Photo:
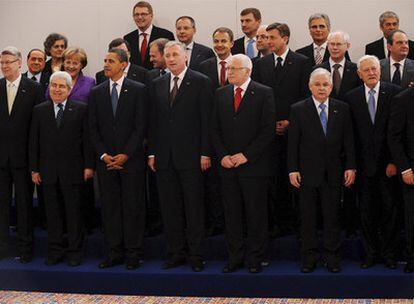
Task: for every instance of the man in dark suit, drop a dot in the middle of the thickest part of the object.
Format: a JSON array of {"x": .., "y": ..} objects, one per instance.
[
  {"x": 179, "y": 151},
  {"x": 261, "y": 43},
  {"x": 132, "y": 71},
  {"x": 18, "y": 96},
  {"x": 287, "y": 73},
  {"x": 398, "y": 68},
  {"x": 388, "y": 22},
  {"x": 320, "y": 139},
  {"x": 36, "y": 60},
  {"x": 117, "y": 124},
  {"x": 140, "y": 38},
  {"x": 196, "y": 53},
  {"x": 401, "y": 145},
  {"x": 250, "y": 19},
  {"x": 319, "y": 27},
  {"x": 370, "y": 106},
  {"x": 242, "y": 130},
  {"x": 157, "y": 59},
  {"x": 60, "y": 160}
]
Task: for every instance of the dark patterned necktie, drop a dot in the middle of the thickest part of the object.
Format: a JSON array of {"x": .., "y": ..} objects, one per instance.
[{"x": 59, "y": 115}]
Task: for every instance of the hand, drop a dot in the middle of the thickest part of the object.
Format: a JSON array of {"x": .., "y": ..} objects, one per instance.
[
  {"x": 87, "y": 174},
  {"x": 151, "y": 163},
  {"x": 295, "y": 179},
  {"x": 349, "y": 178},
  {"x": 238, "y": 159},
  {"x": 205, "y": 163},
  {"x": 408, "y": 178},
  {"x": 281, "y": 127},
  {"x": 391, "y": 170},
  {"x": 118, "y": 161},
  {"x": 226, "y": 162},
  {"x": 36, "y": 179},
  {"x": 108, "y": 159}
]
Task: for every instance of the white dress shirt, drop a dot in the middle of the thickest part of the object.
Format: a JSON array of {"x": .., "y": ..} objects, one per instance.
[
  {"x": 283, "y": 56},
  {"x": 393, "y": 68},
  {"x": 141, "y": 37}
]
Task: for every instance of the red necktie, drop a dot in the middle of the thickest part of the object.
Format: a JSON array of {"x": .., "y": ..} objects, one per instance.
[
  {"x": 237, "y": 99},
  {"x": 143, "y": 47},
  {"x": 223, "y": 73}
]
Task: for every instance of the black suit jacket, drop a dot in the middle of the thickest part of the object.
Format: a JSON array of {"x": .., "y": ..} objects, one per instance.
[
  {"x": 133, "y": 41},
  {"x": 292, "y": 85},
  {"x": 60, "y": 153},
  {"x": 180, "y": 133},
  {"x": 199, "y": 54},
  {"x": 135, "y": 72},
  {"x": 238, "y": 46},
  {"x": 377, "y": 48},
  {"x": 44, "y": 81},
  {"x": 308, "y": 51},
  {"x": 14, "y": 128},
  {"x": 250, "y": 130},
  {"x": 407, "y": 75},
  {"x": 124, "y": 132},
  {"x": 209, "y": 68},
  {"x": 372, "y": 153},
  {"x": 318, "y": 157}
]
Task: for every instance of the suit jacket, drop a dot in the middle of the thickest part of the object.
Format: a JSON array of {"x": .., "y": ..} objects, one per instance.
[
  {"x": 60, "y": 153},
  {"x": 135, "y": 72},
  {"x": 209, "y": 68},
  {"x": 180, "y": 133},
  {"x": 124, "y": 131},
  {"x": 14, "y": 128},
  {"x": 376, "y": 48},
  {"x": 350, "y": 78},
  {"x": 238, "y": 46},
  {"x": 401, "y": 130},
  {"x": 199, "y": 54},
  {"x": 372, "y": 153},
  {"x": 80, "y": 90},
  {"x": 407, "y": 75},
  {"x": 133, "y": 41},
  {"x": 318, "y": 157},
  {"x": 44, "y": 80},
  {"x": 309, "y": 52},
  {"x": 250, "y": 130},
  {"x": 292, "y": 84}
]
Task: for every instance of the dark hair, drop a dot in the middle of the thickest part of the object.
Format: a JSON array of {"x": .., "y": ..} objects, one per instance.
[
  {"x": 391, "y": 36},
  {"x": 186, "y": 17},
  {"x": 252, "y": 10},
  {"x": 143, "y": 4},
  {"x": 283, "y": 29},
  {"x": 160, "y": 43},
  {"x": 33, "y": 50},
  {"x": 117, "y": 42},
  {"x": 224, "y": 30},
  {"x": 51, "y": 39},
  {"x": 122, "y": 55}
]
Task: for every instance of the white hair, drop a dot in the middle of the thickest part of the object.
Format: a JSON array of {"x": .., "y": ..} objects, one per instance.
[
  {"x": 320, "y": 71},
  {"x": 174, "y": 43},
  {"x": 343, "y": 34},
  {"x": 245, "y": 60},
  {"x": 62, "y": 75},
  {"x": 368, "y": 57},
  {"x": 11, "y": 50}
]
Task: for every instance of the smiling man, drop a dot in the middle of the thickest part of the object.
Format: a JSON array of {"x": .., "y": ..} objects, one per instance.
[{"x": 36, "y": 60}]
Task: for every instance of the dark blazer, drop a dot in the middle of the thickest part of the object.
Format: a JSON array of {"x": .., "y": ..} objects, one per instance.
[
  {"x": 60, "y": 153},
  {"x": 377, "y": 48},
  {"x": 209, "y": 68},
  {"x": 124, "y": 132},
  {"x": 133, "y": 39},
  {"x": 250, "y": 130},
  {"x": 407, "y": 75},
  {"x": 401, "y": 130},
  {"x": 180, "y": 132},
  {"x": 14, "y": 128},
  {"x": 238, "y": 46},
  {"x": 199, "y": 54},
  {"x": 350, "y": 78},
  {"x": 135, "y": 72},
  {"x": 372, "y": 153},
  {"x": 292, "y": 85},
  {"x": 318, "y": 157},
  {"x": 308, "y": 51},
  {"x": 44, "y": 80}
]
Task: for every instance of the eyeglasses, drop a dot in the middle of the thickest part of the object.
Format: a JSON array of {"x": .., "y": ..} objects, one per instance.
[
  {"x": 233, "y": 69},
  {"x": 8, "y": 62}
]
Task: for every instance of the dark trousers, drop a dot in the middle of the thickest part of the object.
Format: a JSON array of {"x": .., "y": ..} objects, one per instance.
[
  {"x": 409, "y": 221},
  {"x": 68, "y": 196},
  {"x": 182, "y": 209},
  {"x": 153, "y": 211},
  {"x": 245, "y": 195},
  {"x": 213, "y": 199},
  {"x": 88, "y": 204},
  {"x": 123, "y": 211},
  {"x": 23, "y": 199}
]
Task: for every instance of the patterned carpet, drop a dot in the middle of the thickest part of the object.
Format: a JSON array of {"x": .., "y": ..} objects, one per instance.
[{"x": 15, "y": 297}]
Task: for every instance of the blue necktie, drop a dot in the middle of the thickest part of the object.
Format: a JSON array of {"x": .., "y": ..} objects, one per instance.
[
  {"x": 371, "y": 104},
  {"x": 59, "y": 115},
  {"x": 323, "y": 117},
  {"x": 250, "y": 50},
  {"x": 114, "y": 97}
]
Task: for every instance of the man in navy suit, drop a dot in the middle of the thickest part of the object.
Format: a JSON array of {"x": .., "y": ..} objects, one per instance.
[
  {"x": 250, "y": 19},
  {"x": 36, "y": 60},
  {"x": 140, "y": 38}
]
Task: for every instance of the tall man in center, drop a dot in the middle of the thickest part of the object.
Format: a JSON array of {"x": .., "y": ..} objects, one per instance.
[{"x": 179, "y": 151}]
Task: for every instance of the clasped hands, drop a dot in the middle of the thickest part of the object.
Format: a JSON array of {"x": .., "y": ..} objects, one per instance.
[
  {"x": 115, "y": 162},
  {"x": 233, "y": 161}
]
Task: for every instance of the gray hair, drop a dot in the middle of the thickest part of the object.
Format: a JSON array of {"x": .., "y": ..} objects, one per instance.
[
  {"x": 62, "y": 75},
  {"x": 368, "y": 57},
  {"x": 386, "y": 15},
  {"x": 11, "y": 50},
  {"x": 246, "y": 62},
  {"x": 174, "y": 43},
  {"x": 320, "y": 71},
  {"x": 320, "y": 16},
  {"x": 344, "y": 35}
]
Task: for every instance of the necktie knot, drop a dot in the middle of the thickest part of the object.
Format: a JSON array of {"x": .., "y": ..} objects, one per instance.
[
  {"x": 239, "y": 90},
  {"x": 322, "y": 106},
  {"x": 176, "y": 78},
  {"x": 114, "y": 85},
  {"x": 336, "y": 66},
  {"x": 223, "y": 63},
  {"x": 397, "y": 65},
  {"x": 279, "y": 60},
  {"x": 60, "y": 106},
  {"x": 144, "y": 35},
  {"x": 371, "y": 92}
]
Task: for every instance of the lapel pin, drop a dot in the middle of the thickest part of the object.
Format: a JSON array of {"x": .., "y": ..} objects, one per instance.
[
  {"x": 335, "y": 111},
  {"x": 125, "y": 90},
  {"x": 187, "y": 83},
  {"x": 23, "y": 91},
  {"x": 252, "y": 92}
]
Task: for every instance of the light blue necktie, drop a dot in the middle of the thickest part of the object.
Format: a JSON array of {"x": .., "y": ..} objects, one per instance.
[
  {"x": 323, "y": 117},
  {"x": 114, "y": 97},
  {"x": 250, "y": 50},
  {"x": 371, "y": 104}
]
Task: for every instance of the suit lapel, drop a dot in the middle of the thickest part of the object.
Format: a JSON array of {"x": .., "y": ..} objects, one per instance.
[
  {"x": 333, "y": 112},
  {"x": 20, "y": 94},
  {"x": 246, "y": 98},
  {"x": 382, "y": 95},
  {"x": 184, "y": 86},
  {"x": 386, "y": 71},
  {"x": 123, "y": 96},
  {"x": 314, "y": 117},
  {"x": 345, "y": 78},
  {"x": 107, "y": 99},
  {"x": 67, "y": 113},
  {"x": 51, "y": 116}
]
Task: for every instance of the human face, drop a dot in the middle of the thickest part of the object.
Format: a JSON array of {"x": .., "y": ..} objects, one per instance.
[
  {"x": 261, "y": 40},
  {"x": 57, "y": 49},
  {"x": 399, "y": 48},
  {"x": 369, "y": 72},
  {"x": 113, "y": 67},
  {"x": 249, "y": 25},
  {"x": 277, "y": 44},
  {"x": 389, "y": 25},
  {"x": 184, "y": 31},
  {"x": 337, "y": 47},
  {"x": 222, "y": 44},
  {"x": 59, "y": 90},
  {"x": 237, "y": 74},
  {"x": 175, "y": 59},
  {"x": 36, "y": 62},
  {"x": 320, "y": 87},
  {"x": 72, "y": 65},
  {"x": 156, "y": 58},
  {"x": 318, "y": 30},
  {"x": 10, "y": 67},
  {"x": 142, "y": 17}
]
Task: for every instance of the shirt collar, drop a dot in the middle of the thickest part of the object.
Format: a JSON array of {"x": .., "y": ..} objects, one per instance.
[
  {"x": 119, "y": 82},
  {"x": 147, "y": 31},
  {"x": 243, "y": 86},
  {"x": 317, "y": 103},
  {"x": 322, "y": 46},
  {"x": 392, "y": 61},
  {"x": 246, "y": 39},
  {"x": 55, "y": 104},
  {"x": 16, "y": 82},
  {"x": 127, "y": 68},
  {"x": 227, "y": 60},
  {"x": 332, "y": 63},
  {"x": 180, "y": 76},
  {"x": 30, "y": 75},
  {"x": 376, "y": 88},
  {"x": 283, "y": 56},
  {"x": 190, "y": 46}
]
